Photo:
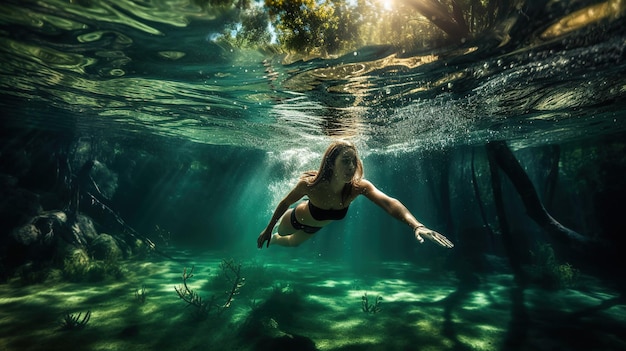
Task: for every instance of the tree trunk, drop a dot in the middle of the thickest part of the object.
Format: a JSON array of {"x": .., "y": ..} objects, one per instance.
[
  {"x": 505, "y": 159},
  {"x": 553, "y": 176},
  {"x": 510, "y": 248},
  {"x": 438, "y": 14},
  {"x": 481, "y": 204}
]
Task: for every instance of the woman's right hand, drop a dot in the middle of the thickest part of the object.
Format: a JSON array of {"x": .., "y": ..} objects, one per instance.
[
  {"x": 265, "y": 235},
  {"x": 439, "y": 239}
]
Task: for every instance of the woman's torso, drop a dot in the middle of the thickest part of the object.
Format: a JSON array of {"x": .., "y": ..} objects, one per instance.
[{"x": 327, "y": 205}]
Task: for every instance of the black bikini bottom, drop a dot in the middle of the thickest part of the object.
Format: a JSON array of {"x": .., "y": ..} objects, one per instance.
[{"x": 299, "y": 226}]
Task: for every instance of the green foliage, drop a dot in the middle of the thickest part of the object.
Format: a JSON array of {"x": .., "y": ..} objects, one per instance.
[
  {"x": 549, "y": 273},
  {"x": 329, "y": 27},
  {"x": 303, "y": 24},
  {"x": 249, "y": 31}
]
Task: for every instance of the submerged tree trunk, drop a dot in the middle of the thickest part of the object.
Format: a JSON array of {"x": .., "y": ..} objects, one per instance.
[
  {"x": 553, "y": 176},
  {"x": 507, "y": 239},
  {"x": 504, "y": 158},
  {"x": 481, "y": 204}
]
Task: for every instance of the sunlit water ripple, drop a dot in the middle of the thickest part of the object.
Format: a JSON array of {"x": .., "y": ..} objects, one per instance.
[{"x": 120, "y": 68}]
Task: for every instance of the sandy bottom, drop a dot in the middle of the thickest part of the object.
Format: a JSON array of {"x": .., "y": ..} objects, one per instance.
[{"x": 303, "y": 305}]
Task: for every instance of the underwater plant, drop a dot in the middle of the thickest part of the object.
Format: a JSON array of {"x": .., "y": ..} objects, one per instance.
[
  {"x": 202, "y": 307},
  {"x": 72, "y": 321},
  {"x": 79, "y": 267},
  {"x": 231, "y": 272},
  {"x": 141, "y": 294},
  {"x": 370, "y": 308},
  {"x": 76, "y": 266},
  {"x": 549, "y": 273}
]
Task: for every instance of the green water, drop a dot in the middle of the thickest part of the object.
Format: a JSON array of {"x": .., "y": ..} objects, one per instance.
[{"x": 196, "y": 142}]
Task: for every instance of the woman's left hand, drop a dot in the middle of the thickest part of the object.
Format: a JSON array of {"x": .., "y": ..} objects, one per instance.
[{"x": 439, "y": 239}]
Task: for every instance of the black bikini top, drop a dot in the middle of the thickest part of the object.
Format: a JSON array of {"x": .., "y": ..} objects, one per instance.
[{"x": 320, "y": 214}]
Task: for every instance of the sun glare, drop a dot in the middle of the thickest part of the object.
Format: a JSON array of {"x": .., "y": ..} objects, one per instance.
[{"x": 387, "y": 4}]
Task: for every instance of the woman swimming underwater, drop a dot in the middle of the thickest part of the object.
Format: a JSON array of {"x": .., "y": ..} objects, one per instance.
[{"x": 330, "y": 190}]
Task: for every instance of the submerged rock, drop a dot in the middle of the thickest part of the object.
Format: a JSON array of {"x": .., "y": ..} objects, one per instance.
[
  {"x": 105, "y": 247},
  {"x": 26, "y": 235},
  {"x": 86, "y": 227}
]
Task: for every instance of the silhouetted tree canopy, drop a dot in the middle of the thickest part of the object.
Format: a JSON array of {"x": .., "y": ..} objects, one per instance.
[{"x": 326, "y": 27}]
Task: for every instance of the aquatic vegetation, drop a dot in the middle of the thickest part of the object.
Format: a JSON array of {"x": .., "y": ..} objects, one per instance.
[
  {"x": 141, "y": 294},
  {"x": 370, "y": 308},
  {"x": 202, "y": 307},
  {"x": 567, "y": 275},
  {"x": 231, "y": 272},
  {"x": 548, "y": 272},
  {"x": 72, "y": 321},
  {"x": 78, "y": 267}
]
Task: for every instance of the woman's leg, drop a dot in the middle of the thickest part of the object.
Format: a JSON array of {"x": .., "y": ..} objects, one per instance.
[
  {"x": 291, "y": 240},
  {"x": 287, "y": 235}
]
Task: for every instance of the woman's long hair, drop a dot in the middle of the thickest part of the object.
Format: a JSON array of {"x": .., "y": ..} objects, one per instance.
[{"x": 325, "y": 172}]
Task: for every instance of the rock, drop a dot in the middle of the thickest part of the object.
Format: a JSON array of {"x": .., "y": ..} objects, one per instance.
[
  {"x": 77, "y": 256},
  {"x": 105, "y": 178},
  {"x": 105, "y": 247},
  {"x": 87, "y": 229},
  {"x": 26, "y": 235}
]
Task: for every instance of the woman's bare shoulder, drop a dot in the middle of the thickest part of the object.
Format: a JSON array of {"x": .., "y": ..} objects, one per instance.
[
  {"x": 303, "y": 185},
  {"x": 364, "y": 186},
  {"x": 297, "y": 192}
]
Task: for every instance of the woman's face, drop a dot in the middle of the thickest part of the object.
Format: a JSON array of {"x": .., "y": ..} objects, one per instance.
[{"x": 345, "y": 165}]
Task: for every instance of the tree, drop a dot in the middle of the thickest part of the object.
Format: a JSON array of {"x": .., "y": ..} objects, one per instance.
[
  {"x": 323, "y": 27},
  {"x": 308, "y": 26},
  {"x": 448, "y": 18}
]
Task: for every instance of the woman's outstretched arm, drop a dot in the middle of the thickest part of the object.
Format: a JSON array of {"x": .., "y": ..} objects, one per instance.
[
  {"x": 294, "y": 195},
  {"x": 396, "y": 209}
]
